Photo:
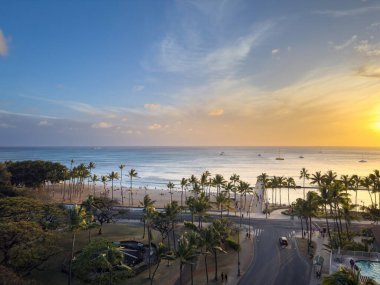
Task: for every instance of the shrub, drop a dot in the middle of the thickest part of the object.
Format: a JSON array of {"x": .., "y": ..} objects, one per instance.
[{"x": 232, "y": 244}]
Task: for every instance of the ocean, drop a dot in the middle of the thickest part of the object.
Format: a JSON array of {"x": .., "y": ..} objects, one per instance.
[{"x": 156, "y": 166}]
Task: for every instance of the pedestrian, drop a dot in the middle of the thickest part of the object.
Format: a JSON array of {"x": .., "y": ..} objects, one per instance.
[
  {"x": 222, "y": 276},
  {"x": 225, "y": 277}
]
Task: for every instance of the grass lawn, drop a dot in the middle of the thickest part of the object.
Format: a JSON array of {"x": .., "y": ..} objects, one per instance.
[
  {"x": 51, "y": 273},
  {"x": 302, "y": 246}
]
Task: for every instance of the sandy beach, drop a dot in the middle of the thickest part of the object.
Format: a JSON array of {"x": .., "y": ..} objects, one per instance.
[{"x": 161, "y": 196}]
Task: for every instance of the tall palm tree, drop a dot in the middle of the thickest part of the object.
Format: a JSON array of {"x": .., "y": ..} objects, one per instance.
[
  {"x": 170, "y": 186},
  {"x": 94, "y": 179},
  {"x": 234, "y": 179},
  {"x": 367, "y": 183},
  {"x": 121, "y": 167},
  {"x": 220, "y": 201},
  {"x": 218, "y": 182},
  {"x": 186, "y": 253},
  {"x": 132, "y": 174},
  {"x": 204, "y": 180},
  {"x": 148, "y": 207},
  {"x": 346, "y": 181},
  {"x": 228, "y": 188},
  {"x": 317, "y": 178},
  {"x": 325, "y": 199},
  {"x": 184, "y": 183},
  {"x": 113, "y": 176},
  {"x": 104, "y": 180},
  {"x": 355, "y": 182},
  {"x": 90, "y": 167},
  {"x": 329, "y": 178},
  {"x": 281, "y": 182},
  {"x": 77, "y": 221},
  {"x": 304, "y": 174},
  {"x": 202, "y": 205},
  {"x": 290, "y": 183}
]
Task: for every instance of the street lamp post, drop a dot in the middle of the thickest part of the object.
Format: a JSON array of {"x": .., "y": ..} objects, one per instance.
[
  {"x": 238, "y": 273},
  {"x": 249, "y": 223}
]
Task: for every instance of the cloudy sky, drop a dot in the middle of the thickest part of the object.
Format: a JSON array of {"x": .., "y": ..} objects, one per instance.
[{"x": 215, "y": 72}]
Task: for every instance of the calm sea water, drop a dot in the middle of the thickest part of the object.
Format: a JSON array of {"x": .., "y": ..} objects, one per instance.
[{"x": 157, "y": 165}]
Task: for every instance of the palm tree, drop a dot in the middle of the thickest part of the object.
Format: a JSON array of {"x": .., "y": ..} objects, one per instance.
[
  {"x": 184, "y": 183},
  {"x": 345, "y": 179},
  {"x": 280, "y": 183},
  {"x": 290, "y": 183},
  {"x": 90, "y": 167},
  {"x": 228, "y": 188},
  {"x": 355, "y": 182},
  {"x": 325, "y": 199},
  {"x": 113, "y": 176},
  {"x": 170, "y": 186},
  {"x": 317, "y": 178},
  {"x": 94, "y": 179},
  {"x": 234, "y": 179},
  {"x": 132, "y": 174},
  {"x": 204, "y": 180},
  {"x": 329, "y": 178},
  {"x": 218, "y": 182},
  {"x": 220, "y": 201},
  {"x": 367, "y": 183},
  {"x": 121, "y": 167},
  {"x": 77, "y": 221},
  {"x": 148, "y": 207},
  {"x": 171, "y": 212},
  {"x": 104, "y": 180},
  {"x": 202, "y": 205},
  {"x": 304, "y": 174},
  {"x": 186, "y": 253},
  {"x": 346, "y": 277}
]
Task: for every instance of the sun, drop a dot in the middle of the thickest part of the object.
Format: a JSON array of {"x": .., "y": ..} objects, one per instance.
[{"x": 376, "y": 126}]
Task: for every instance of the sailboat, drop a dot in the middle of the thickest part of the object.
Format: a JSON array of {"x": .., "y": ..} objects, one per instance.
[
  {"x": 362, "y": 160},
  {"x": 279, "y": 156}
]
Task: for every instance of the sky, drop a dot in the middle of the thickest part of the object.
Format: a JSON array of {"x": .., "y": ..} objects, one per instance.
[{"x": 190, "y": 73}]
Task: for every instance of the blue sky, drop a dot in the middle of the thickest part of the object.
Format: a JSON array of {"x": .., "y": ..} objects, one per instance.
[{"x": 190, "y": 72}]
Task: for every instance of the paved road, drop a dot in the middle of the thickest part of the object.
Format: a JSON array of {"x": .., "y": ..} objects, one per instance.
[{"x": 272, "y": 264}]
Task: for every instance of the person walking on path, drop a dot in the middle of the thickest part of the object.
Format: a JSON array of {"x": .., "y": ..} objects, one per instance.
[
  {"x": 222, "y": 276},
  {"x": 225, "y": 277}
]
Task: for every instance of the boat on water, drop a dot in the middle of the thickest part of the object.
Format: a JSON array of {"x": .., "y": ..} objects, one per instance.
[
  {"x": 279, "y": 156},
  {"x": 362, "y": 160},
  {"x": 301, "y": 156},
  {"x": 259, "y": 154},
  {"x": 222, "y": 153}
]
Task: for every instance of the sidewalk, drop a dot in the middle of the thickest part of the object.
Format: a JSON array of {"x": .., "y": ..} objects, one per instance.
[{"x": 320, "y": 250}]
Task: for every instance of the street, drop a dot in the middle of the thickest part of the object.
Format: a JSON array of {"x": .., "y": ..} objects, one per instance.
[{"x": 272, "y": 264}]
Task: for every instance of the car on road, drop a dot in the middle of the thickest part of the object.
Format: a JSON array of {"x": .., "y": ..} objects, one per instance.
[{"x": 283, "y": 241}]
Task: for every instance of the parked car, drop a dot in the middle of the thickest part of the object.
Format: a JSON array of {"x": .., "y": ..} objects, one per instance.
[{"x": 283, "y": 241}]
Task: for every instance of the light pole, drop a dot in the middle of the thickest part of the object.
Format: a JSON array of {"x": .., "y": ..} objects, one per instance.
[
  {"x": 249, "y": 223},
  {"x": 238, "y": 273}
]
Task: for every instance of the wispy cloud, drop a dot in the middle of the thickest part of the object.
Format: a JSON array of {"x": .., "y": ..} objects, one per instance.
[
  {"x": 275, "y": 51},
  {"x": 152, "y": 106},
  {"x": 367, "y": 48},
  {"x": 3, "y": 44},
  {"x": 175, "y": 55},
  {"x": 5, "y": 112},
  {"x": 102, "y": 125},
  {"x": 154, "y": 127},
  {"x": 344, "y": 44},
  {"x": 216, "y": 112},
  {"x": 44, "y": 123},
  {"x": 369, "y": 71},
  {"x": 350, "y": 12}
]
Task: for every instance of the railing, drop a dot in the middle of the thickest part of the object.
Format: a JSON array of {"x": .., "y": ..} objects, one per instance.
[{"x": 372, "y": 255}]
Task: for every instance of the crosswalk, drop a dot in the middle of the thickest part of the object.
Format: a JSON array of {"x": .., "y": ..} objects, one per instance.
[{"x": 257, "y": 232}]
